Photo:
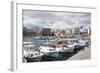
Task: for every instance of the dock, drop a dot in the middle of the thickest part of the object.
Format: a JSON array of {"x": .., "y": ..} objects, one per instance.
[{"x": 82, "y": 55}]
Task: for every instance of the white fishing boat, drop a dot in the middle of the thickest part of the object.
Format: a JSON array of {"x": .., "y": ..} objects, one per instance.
[
  {"x": 29, "y": 53},
  {"x": 48, "y": 50},
  {"x": 78, "y": 43},
  {"x": 82, "y": 43},
  {"x": 69, "y": 48},
  {"x": 64, "y": 46}
]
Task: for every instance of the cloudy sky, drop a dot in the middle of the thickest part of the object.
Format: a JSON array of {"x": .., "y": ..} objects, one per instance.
[{"x": 49, "y": 19}]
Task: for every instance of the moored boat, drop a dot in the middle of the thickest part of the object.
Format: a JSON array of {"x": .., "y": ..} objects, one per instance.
[
  {"x": 48, "y": 50},
  {"x": 29, "y": 53}
]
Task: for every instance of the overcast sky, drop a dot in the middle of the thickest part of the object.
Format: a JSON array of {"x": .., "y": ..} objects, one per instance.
[{"x": 48, "y": 19}]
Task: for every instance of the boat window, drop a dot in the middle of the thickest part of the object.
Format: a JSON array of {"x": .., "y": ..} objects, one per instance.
[
  {"x": 35, "y": 53},
  {"x": 27, "y": 48},
  {"x": 76, "y": 41},
  {"x": 30, "y": 48}
]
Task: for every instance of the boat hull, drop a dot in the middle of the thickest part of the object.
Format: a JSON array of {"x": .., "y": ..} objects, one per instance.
[
  {"x": 36, "y": 59},
  {"x": 52, "y": 54},
  {"x": 67, "y": 50}
]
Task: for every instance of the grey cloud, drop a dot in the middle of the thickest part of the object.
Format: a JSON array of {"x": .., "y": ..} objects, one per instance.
[{"x": 48, "y": 18}]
